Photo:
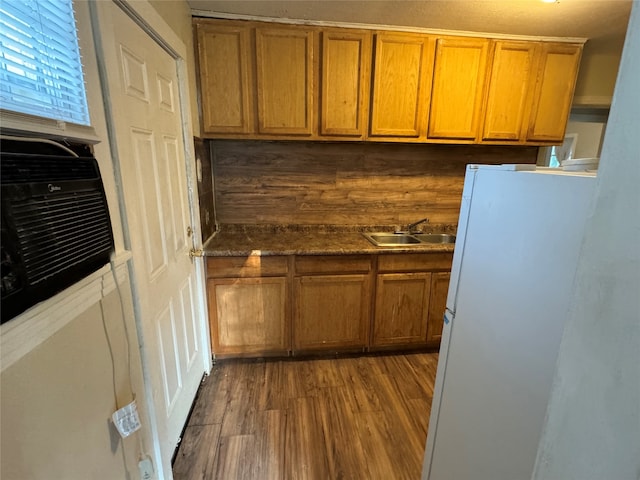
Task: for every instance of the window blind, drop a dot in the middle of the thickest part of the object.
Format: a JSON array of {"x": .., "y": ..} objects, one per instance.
[{"x": 40, "y": 67}]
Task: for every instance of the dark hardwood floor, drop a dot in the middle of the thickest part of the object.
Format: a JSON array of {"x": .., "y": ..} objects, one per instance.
[{"x": 359, "y": 418}]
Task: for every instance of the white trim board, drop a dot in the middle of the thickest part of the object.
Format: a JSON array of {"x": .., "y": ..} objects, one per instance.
[
  {"x": 28, "y": 330},
  {"x": 392, "y": 28}
]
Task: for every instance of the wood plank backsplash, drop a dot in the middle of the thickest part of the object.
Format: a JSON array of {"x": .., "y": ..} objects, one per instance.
[{"x": 345, "y": 183}]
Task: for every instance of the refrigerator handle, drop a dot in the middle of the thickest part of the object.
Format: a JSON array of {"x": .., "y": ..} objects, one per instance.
[{"x": 448, "y": 315}]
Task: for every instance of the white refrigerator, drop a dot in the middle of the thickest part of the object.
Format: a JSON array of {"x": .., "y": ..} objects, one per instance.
[{"x": 519, "y": 235}]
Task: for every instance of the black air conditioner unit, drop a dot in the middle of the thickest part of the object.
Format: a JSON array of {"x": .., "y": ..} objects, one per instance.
[{"x": 55, "y": 225}]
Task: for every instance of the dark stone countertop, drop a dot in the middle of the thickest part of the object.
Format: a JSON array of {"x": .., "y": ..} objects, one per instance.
[{"x": 263, "y": 240}]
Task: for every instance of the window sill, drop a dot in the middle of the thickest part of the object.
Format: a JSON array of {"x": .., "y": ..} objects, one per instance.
[{"x": 20, "y": 123}]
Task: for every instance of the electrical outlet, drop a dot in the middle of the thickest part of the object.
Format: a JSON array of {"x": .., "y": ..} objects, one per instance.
[{"x": 146, "y": 469}]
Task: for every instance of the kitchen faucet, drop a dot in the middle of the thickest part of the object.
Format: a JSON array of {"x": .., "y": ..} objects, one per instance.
[{"x": 411, "y": 226}]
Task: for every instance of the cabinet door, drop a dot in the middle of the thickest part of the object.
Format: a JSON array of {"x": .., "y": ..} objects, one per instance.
[
  {"x": 557, "y": 73},
  {"x": 509, "y": 93},
  {"x": 225, "y": 78},
  {"x": 248, "y": 315},
  {"x": 400, "y": 85},
  {"x": 346, "y": 58},
  {"x": 284, "y": 68},
  {"x": 458, "y": 87},
  {"x": 402, "y": 302},
  {"x": 437, "y": 306},
  {"x": 331, "y": 312}
]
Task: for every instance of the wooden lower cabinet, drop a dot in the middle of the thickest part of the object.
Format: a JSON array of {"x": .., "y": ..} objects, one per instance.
[
  {"x": 411, "y": 297},
  {"x": 437, "y": 306},
  {"x": 332, "y": 298},
  {"x": 249, "y": 305},
  {"x": 277, "y": 305},
  {"x": 402, "y": 308},
  {"x": 249, "y": 315},
  {"x": 331, "y": 312}
]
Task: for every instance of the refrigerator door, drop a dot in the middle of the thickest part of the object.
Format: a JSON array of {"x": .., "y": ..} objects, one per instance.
[{"x": 510, "y": 297}]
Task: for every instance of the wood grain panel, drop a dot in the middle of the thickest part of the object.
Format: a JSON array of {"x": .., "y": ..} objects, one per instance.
[
  {"x": 554, "y": 92},
  {"x": 437, "y": 305},
  {"x": 346, "y": 184},
  {"x": 284, "y": 69},
  {"x": 415, "y": 262},
  {"x": 198, "y": 456},
  {"x": 305, "y": 458},
  {"x": 248, "y": 315},
  {"x": 402, "y": 301},
  {"x": 400, "y": 89},
  {"x": 332, "y": 264},
  {"x": 225, "y": 76},
  {"x": 347, "y": 418},
  {"x": 346, "y": 60},
  {"x": 331, "y": 312},
  {"x": 458, "y": 87},
  {"x": 251, "y": 266},
  {"x": 509, "y": 92}
]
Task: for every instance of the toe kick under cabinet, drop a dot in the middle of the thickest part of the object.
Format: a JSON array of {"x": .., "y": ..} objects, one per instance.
[{"x": 281, "y": 305}]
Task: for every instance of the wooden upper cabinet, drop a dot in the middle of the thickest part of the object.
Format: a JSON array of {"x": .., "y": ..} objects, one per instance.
[
  {"x": 225, "y": 77},
  {"x": 458, "y": 88},
  {"x": 509, "y": 91},
  {"x": 400, "y": 94},
  {"x": 284, "y": 71},
  {"x": 264, "y": 80},
  {"x": 557, "y": 73},
  {"x": 346, "y": 59}
]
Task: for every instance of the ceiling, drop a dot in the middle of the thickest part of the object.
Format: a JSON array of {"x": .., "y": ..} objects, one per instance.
[{"x": 603, "y": 22}]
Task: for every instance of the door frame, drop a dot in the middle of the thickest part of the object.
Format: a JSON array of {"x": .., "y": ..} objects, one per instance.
[{"x": 146, "y": 17}]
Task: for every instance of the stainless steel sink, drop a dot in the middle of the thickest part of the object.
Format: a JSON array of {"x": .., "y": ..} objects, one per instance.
[
  {"x": 391, "y": 239},
  {"x": 385, "y": 239},
  {"x": 436, "y": 237}
]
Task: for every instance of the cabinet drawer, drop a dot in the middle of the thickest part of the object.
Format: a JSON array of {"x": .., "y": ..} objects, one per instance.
[
  {"x": 249, "y": 266},
  {"x": 333, "y": 264},
  {"x": 415, "y": 262}
]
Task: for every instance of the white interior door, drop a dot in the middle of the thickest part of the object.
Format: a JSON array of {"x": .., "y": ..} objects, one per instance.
[{"x": 148, "y": 130}]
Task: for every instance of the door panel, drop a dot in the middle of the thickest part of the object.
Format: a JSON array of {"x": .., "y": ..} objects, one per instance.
[
  {"x": 144, "y": 159},
  {"x": 148, "y": 136},
  {"x": 189, "y": 333},
  {"x": 169, "y": 361}
]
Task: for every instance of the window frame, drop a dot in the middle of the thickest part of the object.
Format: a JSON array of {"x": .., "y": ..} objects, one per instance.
[{"x": 18, "y": 123}]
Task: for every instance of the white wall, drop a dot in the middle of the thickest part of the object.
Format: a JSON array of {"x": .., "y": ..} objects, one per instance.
[
  {"x": 592, "y": 429},
  {"x": 589, "y": 138},
  {"x": 58, "y": 393},
  {"x": 56, "y": 401}
]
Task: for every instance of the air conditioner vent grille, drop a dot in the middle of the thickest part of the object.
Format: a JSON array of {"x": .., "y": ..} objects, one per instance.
[{"x": 58, "y": 232}]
